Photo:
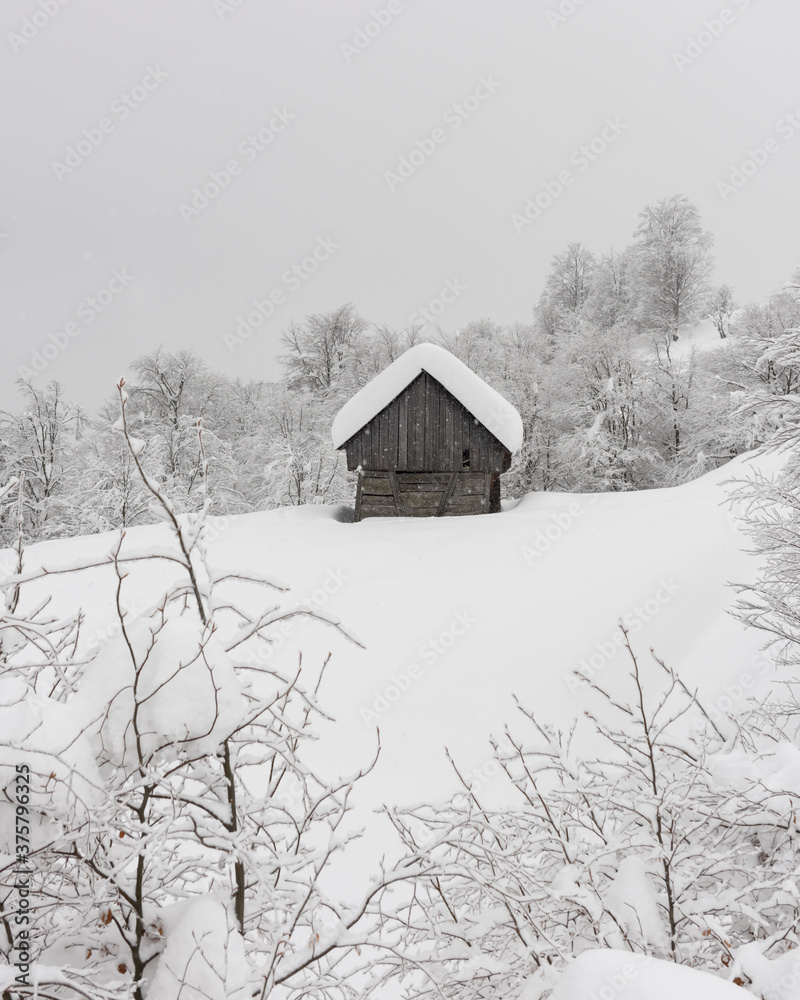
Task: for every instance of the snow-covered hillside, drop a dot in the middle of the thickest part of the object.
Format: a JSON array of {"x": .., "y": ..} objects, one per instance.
[
  {"x": 453, "y": 617},
  {"x": 431, "y": 628}
]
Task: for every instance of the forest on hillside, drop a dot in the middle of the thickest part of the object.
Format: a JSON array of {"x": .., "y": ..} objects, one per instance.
[{"x": 611, "y": 396}]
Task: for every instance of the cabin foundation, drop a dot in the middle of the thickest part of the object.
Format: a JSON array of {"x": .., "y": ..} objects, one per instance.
[{"x": 426, "y": 494}]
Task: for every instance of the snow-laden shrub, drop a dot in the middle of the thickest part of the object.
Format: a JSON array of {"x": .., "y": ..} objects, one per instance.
[
  {"x": 678, "y": 841},
  {"x": 172, "y": 844}
]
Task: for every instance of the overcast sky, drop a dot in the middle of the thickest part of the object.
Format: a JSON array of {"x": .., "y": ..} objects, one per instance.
[{"x": 294, "y": 116}]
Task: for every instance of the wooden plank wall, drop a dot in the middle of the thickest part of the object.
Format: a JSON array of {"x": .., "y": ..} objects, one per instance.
[
  {"x": 426, "y": 494},
  {"x": 425, "y": 429}
]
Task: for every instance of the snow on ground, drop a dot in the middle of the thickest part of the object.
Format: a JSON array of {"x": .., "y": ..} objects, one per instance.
[
  {"x": 619, "y": 975},
  {"x": 699, "y": 337},
  {"x": 702, "y": 336},
  {"x": 458, "y": 615},
  {"x": 454, "y": 617}
]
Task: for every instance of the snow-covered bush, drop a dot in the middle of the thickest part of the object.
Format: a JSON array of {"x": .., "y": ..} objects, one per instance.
[
  {"x": 679, "y": 841},
  {"x": 770, "y": 505},
  {"x": 174, "y": 843}
]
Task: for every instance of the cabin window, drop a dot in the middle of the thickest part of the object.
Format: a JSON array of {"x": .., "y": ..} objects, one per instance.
[{"x": 465, "y": 458}]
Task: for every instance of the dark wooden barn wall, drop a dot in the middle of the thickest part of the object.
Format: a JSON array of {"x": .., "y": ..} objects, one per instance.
[
  {"x": 425, "y": 429},
  {"x": 427, "y": 494}
]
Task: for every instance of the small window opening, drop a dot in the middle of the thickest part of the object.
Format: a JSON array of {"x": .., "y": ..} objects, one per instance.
[{"x": 465, "y": 458}]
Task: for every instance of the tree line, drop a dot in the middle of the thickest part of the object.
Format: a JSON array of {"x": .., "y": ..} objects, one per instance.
[{"x": 611, "y": 396}]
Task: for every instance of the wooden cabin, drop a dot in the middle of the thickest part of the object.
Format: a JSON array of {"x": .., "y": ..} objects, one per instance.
[{"x": 428, "y": 438}]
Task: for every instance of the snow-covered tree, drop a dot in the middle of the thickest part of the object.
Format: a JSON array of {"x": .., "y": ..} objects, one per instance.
[
  {"x": 290, "y": 459},
  {"x": 317, "y": 351},
  {"x": 570, "y": 278},
  {"x": 609, "y": 446},
  {"x": 673, "y": 264},
  {"x": 609, "y": 301},
  {"x": 538, "y": 392},
  {"x": 771, "y": 504},
  {"x": 476, "y": 344},
  {"x": 170, "y": 394},
  {"x": 720, "y": 309},
  {"x": 41, "y": 444},
  {"x": 757, "y": 360}
]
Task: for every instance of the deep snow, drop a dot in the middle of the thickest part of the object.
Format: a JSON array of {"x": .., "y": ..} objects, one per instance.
[
  {"x": 450, "y": 618},
  {"x": 617, "y": 975},
  {"x": 458, "y": 615}
]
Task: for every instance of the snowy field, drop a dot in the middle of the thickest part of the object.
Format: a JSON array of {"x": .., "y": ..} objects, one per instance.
[
  {"x": 452, "y": 618},
  {"x": 432, "y": 627}
]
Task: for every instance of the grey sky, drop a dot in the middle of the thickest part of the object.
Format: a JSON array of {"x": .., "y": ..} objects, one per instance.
[{"x": 171, "y": 90}]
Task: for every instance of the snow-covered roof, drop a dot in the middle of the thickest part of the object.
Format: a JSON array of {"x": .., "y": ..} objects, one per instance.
[{"x": 496, "y": 414}]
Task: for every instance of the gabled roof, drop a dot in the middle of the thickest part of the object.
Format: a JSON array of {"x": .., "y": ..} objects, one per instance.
[{"x": 496, "y": 414}]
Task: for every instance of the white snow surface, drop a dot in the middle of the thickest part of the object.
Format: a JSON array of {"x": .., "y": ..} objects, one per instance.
[
  {"x": 619, "y": 975},
  {"x": 204, "y": 958},
  {"x": 632, "y": 898},
  {"x": 495, "y": 413},
  {"x": 453, "y": 617},
  {"x": 702, "y": 336},
  {"x": 456, "y": 616}
]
